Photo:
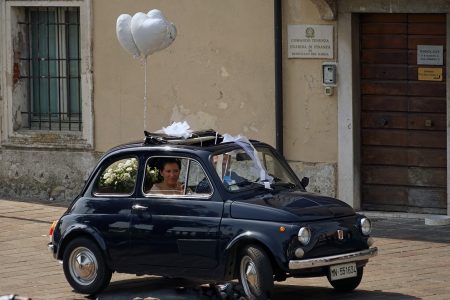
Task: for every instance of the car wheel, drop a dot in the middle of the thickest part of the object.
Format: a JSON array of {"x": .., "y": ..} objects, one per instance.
[
  {"x": 84, "y": 266},
  {"x": 347, "y": 284},
  {"x": 255, "y": 273}
]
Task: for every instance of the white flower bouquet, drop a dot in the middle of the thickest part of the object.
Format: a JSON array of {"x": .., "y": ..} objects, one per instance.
[{"x": 120, "y": 176}]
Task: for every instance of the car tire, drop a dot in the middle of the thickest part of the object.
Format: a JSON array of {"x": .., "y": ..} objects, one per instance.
[
  {"x": 84, "y": 266},
  {"x": 347, "y": 284},
  {"x": 255, "y": 273}
]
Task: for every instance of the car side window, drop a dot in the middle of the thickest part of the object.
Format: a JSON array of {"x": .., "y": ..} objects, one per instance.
[
  {"x": 119, "y": 178},
  {"x": 175, "y": 176},
  {"x": 198, "y": 182}
]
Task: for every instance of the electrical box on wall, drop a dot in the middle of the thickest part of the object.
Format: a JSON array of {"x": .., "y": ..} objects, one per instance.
[{"x": 329, "y": 73}]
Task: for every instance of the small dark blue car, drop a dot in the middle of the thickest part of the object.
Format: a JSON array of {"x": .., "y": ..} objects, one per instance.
[{"x": 206, "y": 209}]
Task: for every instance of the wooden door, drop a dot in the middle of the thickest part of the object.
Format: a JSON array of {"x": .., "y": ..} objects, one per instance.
[{"x": 403, "y": 119}]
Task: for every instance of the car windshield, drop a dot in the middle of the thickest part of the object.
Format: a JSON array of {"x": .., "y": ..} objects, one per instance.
[{"x": 238, "y": 170}]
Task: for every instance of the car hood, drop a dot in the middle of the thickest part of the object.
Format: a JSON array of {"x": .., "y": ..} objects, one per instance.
[{"x": 290, "y": 206}]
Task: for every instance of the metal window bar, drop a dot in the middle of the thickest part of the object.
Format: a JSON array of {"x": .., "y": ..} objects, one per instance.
[
  {"x": 59, "y": 65},
  {"x": 55, "y": 112},
  {"x": 28, "y": 30},
  {"x": 39, "y": 68},
  {"x": 68, "y": 68},
  {"x": 78, "y": 72},
  {"x": 49, "y": 97}
]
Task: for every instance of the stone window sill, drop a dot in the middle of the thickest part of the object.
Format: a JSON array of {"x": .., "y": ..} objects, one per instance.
[{"x": 47, "y": 140}]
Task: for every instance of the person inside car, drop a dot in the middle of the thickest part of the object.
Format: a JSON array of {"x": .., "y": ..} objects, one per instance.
[{"x": 169, "y": 169}]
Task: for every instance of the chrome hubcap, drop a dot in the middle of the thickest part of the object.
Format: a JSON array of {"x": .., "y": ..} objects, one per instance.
[
  {"x": 248, "y": 275},
  {"x": 83, "y": 266}
]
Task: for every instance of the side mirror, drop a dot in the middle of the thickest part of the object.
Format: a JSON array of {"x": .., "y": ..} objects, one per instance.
[{"x": 305, "y": 181}]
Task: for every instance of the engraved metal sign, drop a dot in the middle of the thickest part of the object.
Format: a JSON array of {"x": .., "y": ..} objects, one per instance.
[
  {"x": 430, "y": 55},
  {"x": 310, "y": 41},
  {"x": 429, "y": 74}
]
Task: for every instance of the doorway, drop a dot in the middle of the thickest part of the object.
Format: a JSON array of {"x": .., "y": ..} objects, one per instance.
[{"x": 403, "y": 112}]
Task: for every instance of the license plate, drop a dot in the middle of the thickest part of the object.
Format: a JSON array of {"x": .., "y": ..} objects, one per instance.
[{"x": 343, "y": 271}]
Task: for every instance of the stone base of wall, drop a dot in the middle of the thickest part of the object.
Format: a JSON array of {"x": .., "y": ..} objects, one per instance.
[
  {"x": 44, "y": 175},
  {"x": 59, "y": 175},
  {"x": 322, "y": 176}
]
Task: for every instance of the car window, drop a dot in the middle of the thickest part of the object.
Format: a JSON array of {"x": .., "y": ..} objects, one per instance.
[
  {"x": 274, "y": 167},
  {"x": 198, "y": 182},
  {"x": 239, "y": 170},
  {"x": 174, "y": 177},
  {"x": 235, "y": 169},
  {"x": 118, "y": 178}
]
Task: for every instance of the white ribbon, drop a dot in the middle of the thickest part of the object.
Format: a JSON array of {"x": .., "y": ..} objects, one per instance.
[{"x": 245, "y": 144}]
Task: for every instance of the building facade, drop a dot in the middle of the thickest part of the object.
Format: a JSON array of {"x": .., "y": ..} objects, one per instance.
[{"x": 364, "y": 91}]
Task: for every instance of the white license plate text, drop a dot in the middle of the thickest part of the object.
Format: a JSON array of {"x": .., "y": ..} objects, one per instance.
[{"x": 343, "y": 271}]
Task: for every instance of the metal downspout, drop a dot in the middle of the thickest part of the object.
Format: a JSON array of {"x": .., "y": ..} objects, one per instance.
[{"x": 278, "y": 76}]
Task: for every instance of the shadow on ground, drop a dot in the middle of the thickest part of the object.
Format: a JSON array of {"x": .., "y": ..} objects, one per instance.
[
  {"x": 172, "y": 289},
  {"x": 410, "y": 229}
]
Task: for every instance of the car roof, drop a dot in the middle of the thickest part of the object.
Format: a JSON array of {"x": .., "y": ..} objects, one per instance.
[{"x": 206, "y": 140}]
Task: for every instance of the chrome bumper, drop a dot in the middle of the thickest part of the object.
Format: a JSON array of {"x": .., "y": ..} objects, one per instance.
[{"x": 333, "y": 260}]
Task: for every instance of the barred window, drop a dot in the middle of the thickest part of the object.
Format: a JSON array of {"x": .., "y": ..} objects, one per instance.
[{"x": 50, "y": 68}]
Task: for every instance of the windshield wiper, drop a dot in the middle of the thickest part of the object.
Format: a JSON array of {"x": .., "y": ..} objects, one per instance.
[
  {"x": 288, "y": 185},
  {"x": 246, "y": 183}
]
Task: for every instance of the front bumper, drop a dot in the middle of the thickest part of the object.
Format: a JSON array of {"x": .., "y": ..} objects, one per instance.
[{"x": 333, "y": 259}]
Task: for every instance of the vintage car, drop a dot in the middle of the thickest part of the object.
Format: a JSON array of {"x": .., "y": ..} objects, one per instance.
[{"x": 206, "y": 209}]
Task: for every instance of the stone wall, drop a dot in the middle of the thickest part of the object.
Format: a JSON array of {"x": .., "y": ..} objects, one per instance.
[
  {"x": 44, "y": 175},
  {"x": 50, "y": 175},
  {"x": 322, "y": 176}
]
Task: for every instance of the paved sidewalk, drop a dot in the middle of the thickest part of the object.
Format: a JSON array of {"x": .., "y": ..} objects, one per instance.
[{"x": 413, "y": 263}]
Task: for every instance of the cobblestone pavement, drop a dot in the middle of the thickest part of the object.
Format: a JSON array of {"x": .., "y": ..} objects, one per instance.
[{"x": 413, "y": 263}]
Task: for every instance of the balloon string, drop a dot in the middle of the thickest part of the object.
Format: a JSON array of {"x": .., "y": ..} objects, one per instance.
[{"x": 145, "y": 93}]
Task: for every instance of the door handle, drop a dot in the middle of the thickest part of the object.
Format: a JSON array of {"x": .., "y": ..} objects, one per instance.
[{"x": 139, "y": 207}]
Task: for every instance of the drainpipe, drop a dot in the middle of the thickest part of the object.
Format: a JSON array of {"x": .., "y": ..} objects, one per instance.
[{"x": 278, "y": 76}]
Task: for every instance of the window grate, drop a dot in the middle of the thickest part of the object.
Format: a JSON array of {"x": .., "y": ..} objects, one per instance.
[{"x": 52, "y": 62}]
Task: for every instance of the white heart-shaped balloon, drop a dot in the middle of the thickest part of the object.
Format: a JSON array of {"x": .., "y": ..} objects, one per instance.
[
  {"x": 172, "y": 34},
  {"x": 172, "y": 30},
  {"x": 152, "y": 33},
  {"x": 123, "y": 31},
  {"x": 156, "y": 14}
]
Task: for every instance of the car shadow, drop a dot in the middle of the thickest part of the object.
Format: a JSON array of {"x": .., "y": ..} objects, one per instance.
[
  {"x": 409, "y": 229},
  {"x": 179, "y": 289},
  {"x": 288, "y": 292}
]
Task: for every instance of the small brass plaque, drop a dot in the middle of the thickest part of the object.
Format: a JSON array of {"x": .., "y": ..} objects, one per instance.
[{"x": 430, "y": 74}]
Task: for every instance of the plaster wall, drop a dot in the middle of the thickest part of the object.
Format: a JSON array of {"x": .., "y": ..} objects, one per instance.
[
  {"x": 310, "y": 124},
  {"x": 310, "y": 115},
  {"x": 218, "y": 73}
]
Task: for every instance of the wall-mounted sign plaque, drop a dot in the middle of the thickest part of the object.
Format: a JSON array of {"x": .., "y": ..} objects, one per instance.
[
  {"x": 310, "y": 41},
  {"x": 430, "y": 55},
  {"x": 429, "y": 74}
]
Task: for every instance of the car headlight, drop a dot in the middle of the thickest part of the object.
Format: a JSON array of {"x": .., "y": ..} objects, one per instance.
[
  {"x": 304, "y": 235},
  {"x": 366, "y": 226}
]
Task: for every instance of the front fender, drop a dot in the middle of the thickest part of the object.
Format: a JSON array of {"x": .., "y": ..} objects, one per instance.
[{"x": 274, "y": 247}]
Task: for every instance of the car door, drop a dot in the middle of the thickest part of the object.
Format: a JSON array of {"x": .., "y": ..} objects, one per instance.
[
  {"x": 179, "y": 230},
  {"x": 106, "y": 206}
]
